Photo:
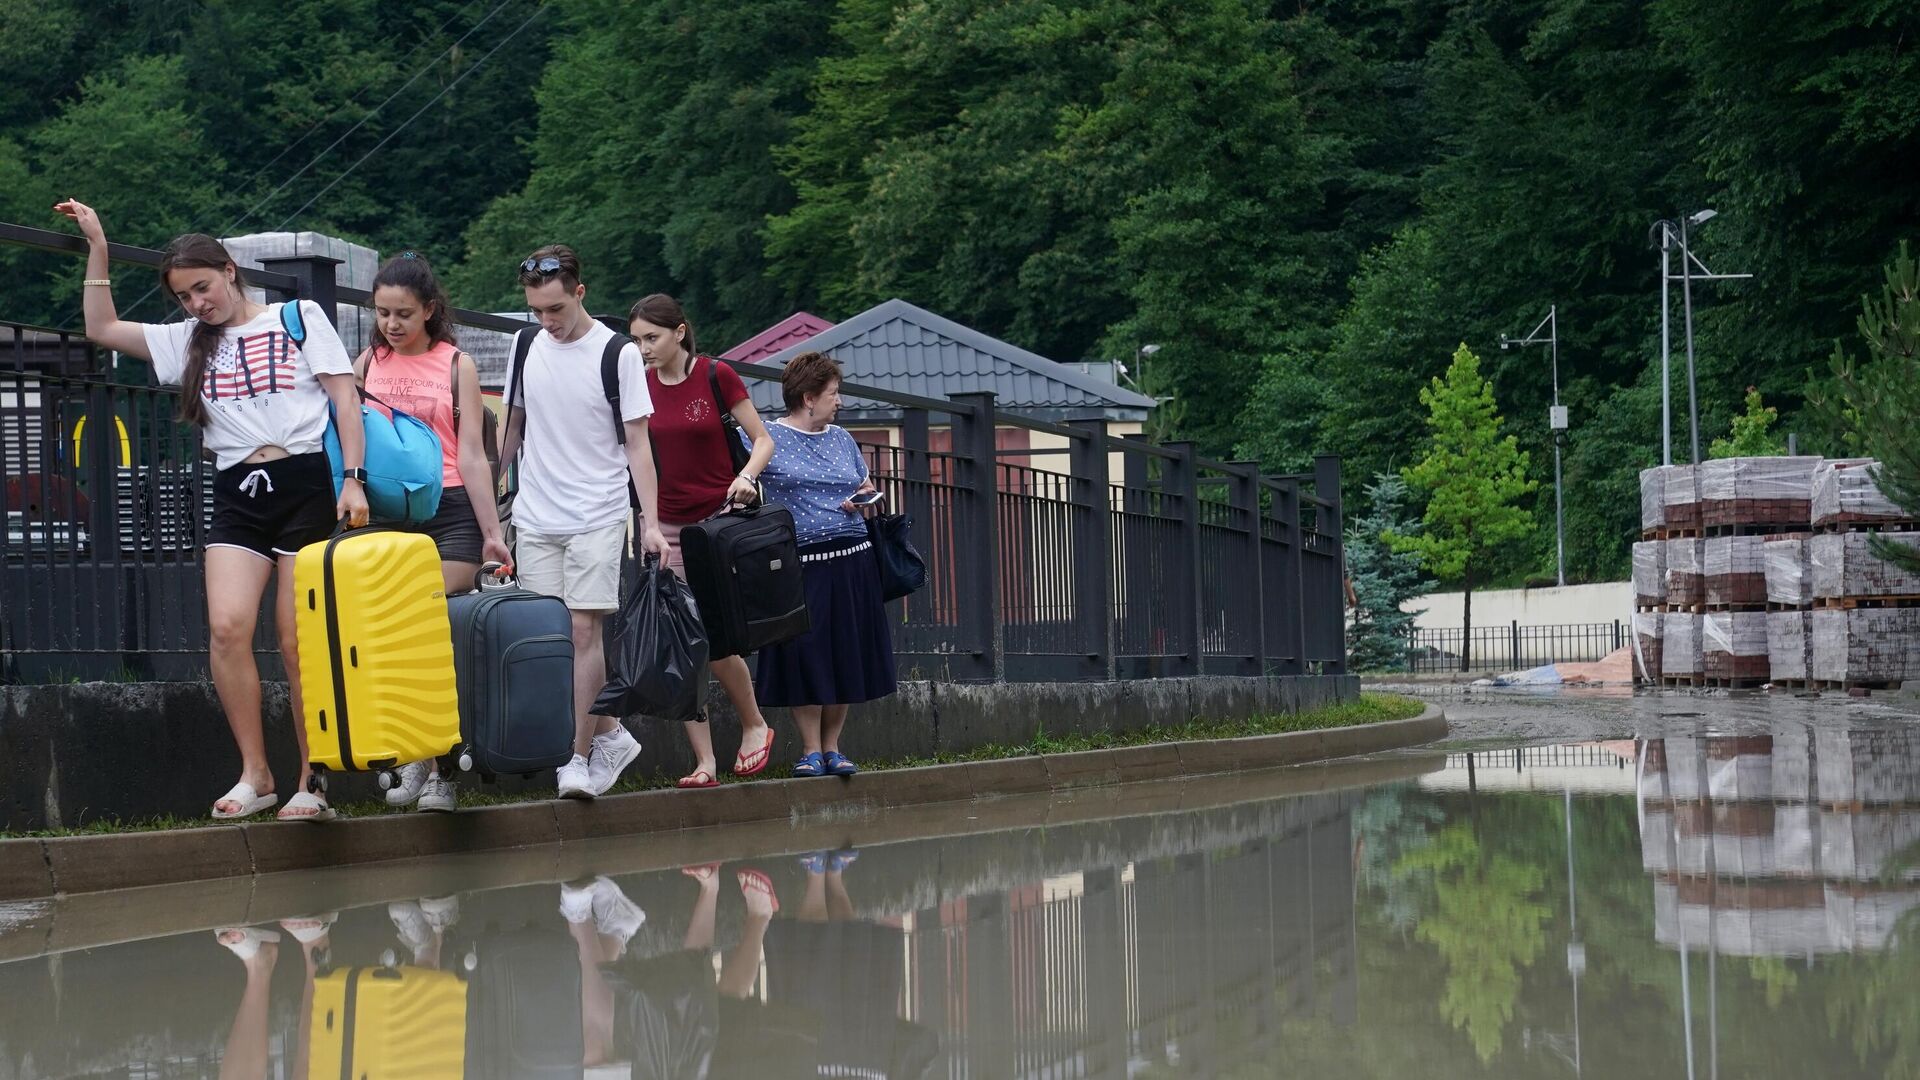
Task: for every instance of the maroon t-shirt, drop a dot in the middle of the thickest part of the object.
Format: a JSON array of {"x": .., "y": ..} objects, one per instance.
[{"x": 689, "y": 443}]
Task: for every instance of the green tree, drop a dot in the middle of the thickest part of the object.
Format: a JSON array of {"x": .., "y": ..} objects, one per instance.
[
  {"x": 1488, "y": 922},
  {"x": 1473, "y": 477},
  {"x": 1384, "y": 578},
  {"x": 1880, "y": 396},
  {"x": 1751, "y": 436}
]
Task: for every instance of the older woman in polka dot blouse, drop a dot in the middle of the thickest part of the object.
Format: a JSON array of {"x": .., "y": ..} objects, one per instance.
[{"x": 847, "y": 657}]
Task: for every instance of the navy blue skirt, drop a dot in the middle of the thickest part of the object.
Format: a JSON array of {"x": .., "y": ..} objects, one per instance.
[{"x": 847, "y": 656}]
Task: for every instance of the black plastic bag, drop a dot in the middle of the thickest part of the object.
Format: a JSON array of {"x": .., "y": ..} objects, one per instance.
[
  {"x": 658, "y": 665},
  {"x": 902, "y": 571}
]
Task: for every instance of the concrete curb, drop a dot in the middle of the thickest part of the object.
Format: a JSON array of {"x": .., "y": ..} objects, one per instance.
[{"x": 37, "y": 868}]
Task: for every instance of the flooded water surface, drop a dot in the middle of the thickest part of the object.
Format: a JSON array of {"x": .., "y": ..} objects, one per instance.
[{"x": 1695, "y": 906}]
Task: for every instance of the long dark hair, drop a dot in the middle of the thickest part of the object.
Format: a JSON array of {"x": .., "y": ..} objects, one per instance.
[
  {"x": 409, "y": 271},
  {"x": 197, "y": 251},
  {"x": 663, "y": 310}
]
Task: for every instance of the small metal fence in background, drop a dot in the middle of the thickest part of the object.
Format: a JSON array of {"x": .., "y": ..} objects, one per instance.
[{"x": 1510, "y": 646}]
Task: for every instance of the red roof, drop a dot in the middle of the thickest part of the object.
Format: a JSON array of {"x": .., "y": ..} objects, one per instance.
[{"x": 784, "y": 334}]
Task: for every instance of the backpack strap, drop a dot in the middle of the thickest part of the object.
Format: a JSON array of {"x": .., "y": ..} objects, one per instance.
[
  {"x": 453, "y": 380},
  {"x": 610, "y": 381},
  {"x": 293, "y": 322},
  {"x": 522, "y": 344}
]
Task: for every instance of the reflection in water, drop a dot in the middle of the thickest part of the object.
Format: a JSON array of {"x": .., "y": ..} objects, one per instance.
[{"x": 1698, "y": 906}]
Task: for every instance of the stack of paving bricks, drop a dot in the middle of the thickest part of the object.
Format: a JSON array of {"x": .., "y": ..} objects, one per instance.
[
  {"x": 1743, "y": 503},
  {"x": 1786, "y": 845},
  {"x": 1789, "y": 609},
  {"x": 1669, "y": 518},
  {"x": 1865, "y": 627}
]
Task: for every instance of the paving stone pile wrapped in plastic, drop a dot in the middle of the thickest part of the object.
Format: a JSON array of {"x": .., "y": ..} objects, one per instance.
[
  {"x": 1650, "y": 573},
  {"x": 1784, "y": 561},
  {"x": 1842, "y": 565},
  {"x": 1866, "y": 645},
  {"x": 1756, "y": 490},
  {"x": 1680, "y": 498},
  {"x": 1686, "y": 585},
  {"x": 1735, "y": 569},
  {"x": 1680, "y": 647},
  {"x": 1874, "y": 767},
  {"x": 1844, "y": 493},
  {"x": 1648, "y": 633},
  {"x": 1789, "y": 645},
  {"x": 1735, "y": 644},
  {"x": 1653, "y": 498}
]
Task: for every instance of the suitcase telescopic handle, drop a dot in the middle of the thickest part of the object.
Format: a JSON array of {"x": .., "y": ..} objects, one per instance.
[{"x": 490, "y": 576}]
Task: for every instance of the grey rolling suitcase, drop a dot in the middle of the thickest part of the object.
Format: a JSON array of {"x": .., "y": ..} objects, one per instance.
[{"x": 513, "y": 665}]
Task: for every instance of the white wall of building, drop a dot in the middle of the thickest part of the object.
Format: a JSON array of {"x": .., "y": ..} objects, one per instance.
[{"x": 1530, "y": 607}]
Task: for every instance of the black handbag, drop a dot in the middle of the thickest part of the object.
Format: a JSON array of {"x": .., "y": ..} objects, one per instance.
[{"x": 902, "y": 570}]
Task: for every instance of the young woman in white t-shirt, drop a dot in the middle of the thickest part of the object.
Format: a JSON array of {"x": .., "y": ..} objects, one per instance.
[{"x": 260, "y": 402}]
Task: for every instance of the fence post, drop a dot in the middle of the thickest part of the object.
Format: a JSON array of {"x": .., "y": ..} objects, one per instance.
[
  {"x": 1617, "y": 643},
  {"x": 1245, "y": 484},
  {"x": 1326, "y": 484},
  {"x": 977, "y": 564},
  {"x": 315, "y": 277},
  {"x": 1183, "y": 482},
  {"x": 1137, "y": 504},
  {"x": 1093, "y": 551},
  {"x": 1295, "y": 571},
  {"x": 917, "y": 474},
  {"x": 1516, "y": 644}
]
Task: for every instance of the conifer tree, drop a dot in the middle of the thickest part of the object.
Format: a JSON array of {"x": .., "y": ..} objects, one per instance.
[
  {"x": 1384, "y": 579},
  {"x": 1881, "y": 396},
  {"x": 1474, "y": 478}
]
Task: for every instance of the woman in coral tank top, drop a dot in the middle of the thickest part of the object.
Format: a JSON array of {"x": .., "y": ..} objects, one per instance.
[{"x": 414, "y": 365}]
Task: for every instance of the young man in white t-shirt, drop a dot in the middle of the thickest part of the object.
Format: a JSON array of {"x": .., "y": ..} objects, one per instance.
[{"x": 571, "y": 511}]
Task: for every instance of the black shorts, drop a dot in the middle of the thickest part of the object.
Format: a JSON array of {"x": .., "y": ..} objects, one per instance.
[
  {"x": 273, "y": 508},
  {"x": 452, "y": 528}
]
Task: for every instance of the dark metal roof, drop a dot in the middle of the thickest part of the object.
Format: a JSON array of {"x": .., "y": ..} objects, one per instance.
[{"x": 911, "y": 350}]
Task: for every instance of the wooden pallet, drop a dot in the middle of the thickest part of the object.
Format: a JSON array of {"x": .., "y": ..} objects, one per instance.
[
  {"x": 1856, "y": 687},
  {"x": 1696, "y": 679},
  {"x": 1685, "y": 532},
  {"x": 1793, "y": 684},
  {"x": 1848, "y": 603},
  {"x": 1866, "y": 525},
  {"x": 1734, "y": 684},
  {"x": 1742, "y": 608},
  {"x": 1744, "y": 529},
  {"x": 1773, "y": 607}
]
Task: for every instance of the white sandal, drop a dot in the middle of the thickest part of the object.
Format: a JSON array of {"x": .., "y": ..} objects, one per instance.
[
  {"x": 307, "y": 800},
  {"x": 308, "y": 929},
  {"x": 251, "y": 938},
  {"x": 251, "y": 802}
]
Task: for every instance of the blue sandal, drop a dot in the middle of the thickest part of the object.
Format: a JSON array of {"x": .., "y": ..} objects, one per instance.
[
  {"x": 839, "y": 765},
  {"x": 811, "y": 765}
]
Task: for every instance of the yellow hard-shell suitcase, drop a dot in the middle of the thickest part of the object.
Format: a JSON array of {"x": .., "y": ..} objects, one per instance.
[
  {"x": 372, "y": 1023},
  {"x": 376, "y": 651}
]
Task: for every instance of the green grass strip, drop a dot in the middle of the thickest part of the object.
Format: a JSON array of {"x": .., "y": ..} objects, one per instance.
[{"x": 1371, "y": 708}]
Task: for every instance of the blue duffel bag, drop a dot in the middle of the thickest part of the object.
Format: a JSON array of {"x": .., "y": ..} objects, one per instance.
[{"x": 403, "y": 454}]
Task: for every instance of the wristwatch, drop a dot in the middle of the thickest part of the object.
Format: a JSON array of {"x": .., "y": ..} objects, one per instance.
[{"x": 354, "y": 474}]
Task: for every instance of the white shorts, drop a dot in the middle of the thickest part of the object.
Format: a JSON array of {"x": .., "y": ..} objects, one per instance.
[{"x": 582, "y": 569}]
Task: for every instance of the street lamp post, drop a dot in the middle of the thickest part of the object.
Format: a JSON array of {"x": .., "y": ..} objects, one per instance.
[
  {"x": 1557, "y": 425},
  {"x": 1688, "y": 276}
]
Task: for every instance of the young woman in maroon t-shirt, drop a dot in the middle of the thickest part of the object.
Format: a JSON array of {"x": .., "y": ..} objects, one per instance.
[{"x": 697, "y": 480}]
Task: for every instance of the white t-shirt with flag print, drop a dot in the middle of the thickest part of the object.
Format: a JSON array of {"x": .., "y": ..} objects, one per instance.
[{"x": 260, "y": 388}]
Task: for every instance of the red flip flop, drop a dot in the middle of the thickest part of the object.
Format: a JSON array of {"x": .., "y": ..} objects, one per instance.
[
  {"x": 701, "y": 778},
  {"x": 757, "y": 882},
  {"x": 752, "y": 764}
]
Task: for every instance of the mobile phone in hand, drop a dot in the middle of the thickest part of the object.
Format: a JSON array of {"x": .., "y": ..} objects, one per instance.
[{"x": 867, "y": 498}]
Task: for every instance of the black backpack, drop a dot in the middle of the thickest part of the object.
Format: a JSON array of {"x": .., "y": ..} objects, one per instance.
[{"x": 609, "y": 385}]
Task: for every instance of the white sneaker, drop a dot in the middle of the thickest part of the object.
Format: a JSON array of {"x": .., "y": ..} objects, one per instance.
[
  {"x": 576, "y": 782},
  {"x": 411, "y": 924},
  {"x": 611, "y": 755},
  {"x": 614, "y": 915},
  {"x": 441, "y": 911},
  {"x": 437, "y": 797},
  {"x": 413, "y": 777},
  {"x": 576, "y": 901}
]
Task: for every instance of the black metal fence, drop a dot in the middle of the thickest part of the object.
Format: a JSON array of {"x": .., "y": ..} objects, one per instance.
[
  {"x": 1092, "y": 557},
  {"x": 1510, "y": 646}
]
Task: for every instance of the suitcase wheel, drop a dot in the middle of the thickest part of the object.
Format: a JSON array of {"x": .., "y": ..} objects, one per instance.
[
  {"x": 471, "y": 961},
  {"x": 317, "y": 780},
  {"x": 389, "y": 959},
  {"x": 466, "y": 761},
  {"x": 386, "y": 779}
]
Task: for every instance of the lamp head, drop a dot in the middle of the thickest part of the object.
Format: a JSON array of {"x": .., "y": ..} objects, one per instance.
[
  {"x": 1702, "y": 217},
  {"x": 1503, "y": 341},
  {"x": 1149, "y": 350}
]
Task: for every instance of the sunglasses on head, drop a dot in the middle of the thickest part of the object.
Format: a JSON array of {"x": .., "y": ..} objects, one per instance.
[{"x": 547, "y": 265}]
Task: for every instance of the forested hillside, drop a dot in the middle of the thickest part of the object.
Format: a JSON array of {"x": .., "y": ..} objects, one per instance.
[{"x": 1307, "y": 206}]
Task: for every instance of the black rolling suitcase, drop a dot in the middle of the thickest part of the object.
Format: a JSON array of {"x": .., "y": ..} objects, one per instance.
[
  {"x": 744, "y": 569},
  {"x": 513, "y": 664},
  {"x": 523, "y": 1007}
]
